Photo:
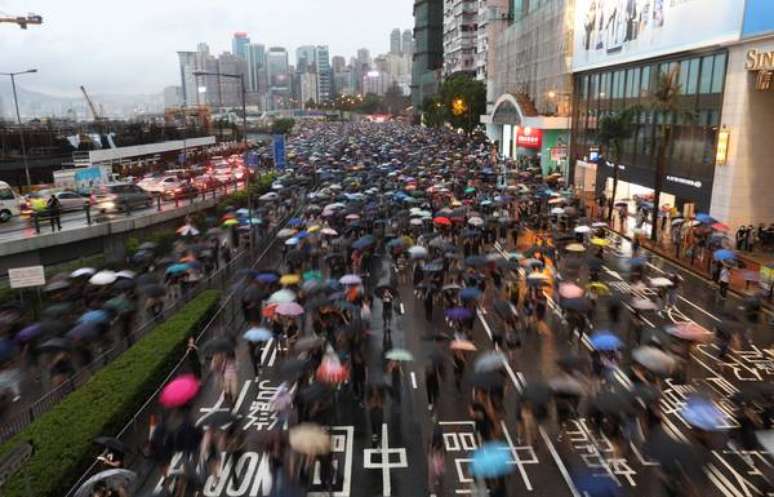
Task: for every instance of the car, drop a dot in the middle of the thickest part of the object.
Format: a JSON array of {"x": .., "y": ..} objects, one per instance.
[
  {"x": 206, "y": 182},
  {"x": 115, "y": 197},
  {"x": 164, "y": 184},
  {"x": 10, "y": 202},
  {"x": 223, "y": 173},
  {"x": 185, "y": 190},
  {"x": 68, "y": 200},
  {"x": 147, "y": 181}
]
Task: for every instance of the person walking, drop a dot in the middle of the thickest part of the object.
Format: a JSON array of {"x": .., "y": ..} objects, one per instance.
[
  {"x": 723, "y": 280},
  {"x": 54, "y": 213}
]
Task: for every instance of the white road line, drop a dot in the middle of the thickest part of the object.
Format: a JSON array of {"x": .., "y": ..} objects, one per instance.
[
  {"x": 699, "y": 308},
  {"x": 265, "y": 351},
  {"x": 453, "y": 423},
  {"x": 413, "y": 380},
  {"x": 656, "y": 268},
  {"x": 241, "y": 398},
  {"x": 515, "y": 456},
  {"x": 402, "y": 309},
  {"x": 559, "y": 463},
  {"x": 483, "y": 322}
]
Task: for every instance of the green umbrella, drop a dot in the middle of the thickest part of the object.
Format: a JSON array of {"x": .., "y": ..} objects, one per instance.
[
  {"x": 313, "y": 276},
  {"x": 119, "y": 304},
  {"x": 470, "y": 189},
  {"x": 401, "y": 355}
]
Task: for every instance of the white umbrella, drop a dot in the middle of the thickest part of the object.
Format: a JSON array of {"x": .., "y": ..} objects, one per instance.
[
  {"x": 292, "y": 241},
  {"x": 475, "y": 221},
  {"x": 112, "y": 477},
  {"x": 103, "y": 278},
  {"x": 660, "y": 281},
  {"x": 269, "y": 196},
  {"x": 350, "y": 279},
  {"x": 583, "y": 229},
  {"x": 125, "y": 274},
  {"x": 286, "y": 233},
  {"x": 415, "y": 221},
  {"x": 417, "y": 252},
  {"x": 84, "y": 271},
  {"x": 329, "y": 232},
  {"x": 557, "y": 210},
  {"x": 654, "y": 359},
  {"x": 599, "y": 224},
  {"x": 282, "y": 296},
  {"x": 187, "y": 230}
]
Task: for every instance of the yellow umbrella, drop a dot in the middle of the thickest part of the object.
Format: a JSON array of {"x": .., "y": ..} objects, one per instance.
[
  {"x": 230, "y": 222},
  {"x": 313, "y": 229},
  {"x": 455, "y": 203},
  {"x": 598, "y": 288},
  {"x": 600, "y": 242},
  {"x": 290, "y": 279}
]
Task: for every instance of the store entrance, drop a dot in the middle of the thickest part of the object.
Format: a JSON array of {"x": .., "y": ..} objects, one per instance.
[{"x": 634, "y": 206}]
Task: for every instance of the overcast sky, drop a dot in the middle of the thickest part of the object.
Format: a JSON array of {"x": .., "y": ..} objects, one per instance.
[{"x": 129, "y": 46}]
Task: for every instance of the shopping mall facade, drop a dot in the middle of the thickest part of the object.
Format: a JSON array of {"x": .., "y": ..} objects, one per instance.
[{"x": 606, "y": 56}]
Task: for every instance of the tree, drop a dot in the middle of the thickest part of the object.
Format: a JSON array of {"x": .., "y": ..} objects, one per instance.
[
  {"x": 372, "y": 104},
  {"x": 394, "y": 101},
  {"x": 465, "y": 99},
  {"x": 433, "y": 112},
  {"x": 614, "y": 130},
  {"x": 310, "y": 104},
  {"x": 664, "y": 103},
  {"x": 282, "y": 126}
]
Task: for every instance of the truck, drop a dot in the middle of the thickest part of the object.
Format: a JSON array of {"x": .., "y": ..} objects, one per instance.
[{"x": 84, "y": 179}]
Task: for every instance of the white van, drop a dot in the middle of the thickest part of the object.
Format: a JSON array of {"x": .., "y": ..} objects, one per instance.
[{"x": 9, "y": 202}]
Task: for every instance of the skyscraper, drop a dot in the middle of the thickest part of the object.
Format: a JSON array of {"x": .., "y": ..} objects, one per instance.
[
  {"x": 338, "y": 63},
  {"x": 395, "y": 41},
  {"x": 428, "y": 49},
  {"x": 324, "y": 75},
  {"x": 279, "y": 79},
  {"x": 240, "y": 45},
  {"x": 305, "y": 58},
  {"x": 188, "y": 87},
  {"x": 407, "y": 44},
  {"x": 256, "y": 68}
]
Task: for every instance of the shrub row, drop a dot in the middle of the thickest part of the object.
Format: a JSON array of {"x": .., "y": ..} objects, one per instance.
[{"x": 63, "y": 437}]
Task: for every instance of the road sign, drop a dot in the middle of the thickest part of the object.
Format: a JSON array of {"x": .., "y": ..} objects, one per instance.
[
  {"x": 25, "y": 277},
  {"x": 251, "y": 159},
  {"x": 278, "y": 146}
]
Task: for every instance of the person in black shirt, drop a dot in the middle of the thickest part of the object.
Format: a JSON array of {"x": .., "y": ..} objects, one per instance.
[{"x": 54, "y": 213}]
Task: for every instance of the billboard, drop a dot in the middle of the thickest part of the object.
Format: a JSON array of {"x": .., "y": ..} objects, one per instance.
[
  {"x": 278, "y": 149},
  {"x": 758, "y": 18},
  {"x": 611, "y": 32}
]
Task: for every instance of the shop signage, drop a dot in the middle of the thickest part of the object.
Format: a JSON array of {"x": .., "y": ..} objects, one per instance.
[
  {"x": 24, "y": 277},
  {"x": 763, "y": 64},
  {"x": 721, "y": 153},
  {"x": 529, "y": 137},
  {"x": 558, "y": 153},
  {"x": 684, "y": 181}
]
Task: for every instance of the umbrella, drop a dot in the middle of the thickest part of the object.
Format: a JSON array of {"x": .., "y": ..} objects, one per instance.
[
  {"x": 644, "y": 304},
  {"x": 600, "y": 242},
  {"x": 475, "y": 221},
  {"x": 491, "y": 460},
  {"x": 723, "y": 255},
  {"x": 308, "y": 343},
  {"x": 332, "y": 371},
  {"x": 83, "y": 332},
  {"x": 218, "y": 345},
  {"x": 282, "y": 297},
  {"x": 119, "y": 304},
  {"x": 286, "y": 233},
  {"x": 112, "y": 443},
  {"x": 309, "y": 439},
  {"x": 329, "y": 232},
  {"x": 256, "y": 335},
  {"x": 463, "y": 345},
  {"x": 689, "y": 331},
  {"x": 660, "y": 282},
  {"x": 470, "y": 293},
  {"x": 400, "y": 355},
  {"x": 614, "y": 403},
  {"x": 442, "y": 221},
  {"x": 55, "y": 345},
  {"x": 570, "y": 291},
  {"x": 28, "y": 333},
  {"x": 485, "y": 379},
  {"x": 605, "y": 341},
  {"x": 674, "y": 457},
  {"x": 567, "y": 385},
  {"x": 598, "y": 287},
  {"x": 350, "y": 279},
  {"x": 582, "y": 229},
  {"x": 490, "y": 361},
  {"x": 112, "y": 478},
  {"x": 267, "y": 277},
  {"x": 459, "y": 313},
  {"x": 56, "y": 286},
  {"x": 702, "y": 413},
  {"x": 655, "y": 360},
  {"x": 417, "y": 252},
  {"x": 187, "y": 230},
  {"x": 84, "y": 271},
  {"x": 572, "y": 362},
  {"x": 178, "y": 268},
  {"x": 575, "y": 247},
  {"x": 381, "y": 290},
  {"x": 289, "y": 309},
  {"x": 179, "y": 391},
  {"x": 103, "y": 278},
  {"x": 705, "y": 218},
  {"x": 290, "y": 279},
  {"x": 292, "y": 369},
  {"x": 313, "y": 276}
]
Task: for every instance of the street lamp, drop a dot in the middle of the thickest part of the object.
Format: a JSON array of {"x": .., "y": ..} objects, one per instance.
[
  {"x": 18, "y": 119},
  {"x": 241, "y": 78}
]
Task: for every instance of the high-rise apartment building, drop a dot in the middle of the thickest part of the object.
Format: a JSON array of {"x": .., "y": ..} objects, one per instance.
[
  {"x": 256, "y": 68},
  {"x": 338, "y": 63},
  {"x": 279, "y": 77},
  {"x": 240, "y": 45},
  {"x": 308, "y": 87},
  {"x": 407, "y": 43},
  {"x": 305, "y": 58},
  {"x": 460, "y": 36},
  {"x": 395, "y": 41},
  {"x": 428, "y": 49},
  {"x": 324, "y": 73},
  {"x": 188, "y": 87}
]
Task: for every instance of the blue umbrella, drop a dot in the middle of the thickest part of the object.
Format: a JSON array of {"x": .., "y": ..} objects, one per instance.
[
  {"x": 178, "y": 268},
  {"x": 242, "y": 212},
  {"x": 723, "y": 255},
  {"x": 459, "y": 313},
  {"x": 364, "y": 242},
  {"x": 703, "y": 414},
  {"x": 83, "y": 331},
  {"x": 29, "y": 333},
  {"x": 267, "y": 277},
  {"x": 258, "y": 335},
  {"x": 470, "y": 293},
  {"x": 94, "y": 317},
  {"x": 7, "y": 349},
  {"x": 605, "y": 341},
  {"x": 295, "y": 222},
  {"x": 705, "y": 218},
  {"x": 638, "y": 261},
  {"x": 491, "y": 460}
]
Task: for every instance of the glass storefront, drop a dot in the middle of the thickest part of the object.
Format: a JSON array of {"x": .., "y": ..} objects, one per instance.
[{"x": 604, "y": 91}]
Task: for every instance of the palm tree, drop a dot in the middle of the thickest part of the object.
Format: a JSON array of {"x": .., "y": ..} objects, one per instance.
[
  {"x": 664, "y": 102},
  {"x": 614, "y": 130}
]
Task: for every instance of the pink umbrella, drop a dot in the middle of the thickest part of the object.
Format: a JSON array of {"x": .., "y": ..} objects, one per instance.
[
  {"x": 332, "y": 371},
  {"x": 570, "y": 291},
  {"x": 289, "y": 309},
  {"x": 689, "y": 331},
  {"x": 179, "y": 391}
]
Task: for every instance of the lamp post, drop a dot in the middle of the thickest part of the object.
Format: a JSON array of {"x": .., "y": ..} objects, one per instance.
[{"x": 18, "y": 119}]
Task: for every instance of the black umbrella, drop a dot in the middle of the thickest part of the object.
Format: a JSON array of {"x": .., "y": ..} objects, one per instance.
[
  {"x": 485, "y": 379},
  {"x": 112, "y": 443},
  {"x": 537, "y": 394},
  {"x": 573, "y": 362},
  {"x": 57, "y": 344},
  {"x": 292, "y": 369},
  {"x": 675, "y": 458},
  {"x": 314, "y": 392},
  {"x": 613, "y": 403},
  {"x": 218, "y": 344},
  {"x": 580, "y": 304},
  {"x": 153, "y": 291}
]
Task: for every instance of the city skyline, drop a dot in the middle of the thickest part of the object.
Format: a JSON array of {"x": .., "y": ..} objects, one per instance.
[{"x": 51, "y": 47}]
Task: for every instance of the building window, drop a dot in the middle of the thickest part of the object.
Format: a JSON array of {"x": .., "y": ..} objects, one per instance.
[
  {"x": 705, "y": 81},
  {"x": 693, "y": 76},
  {"x": 645, "y": 81},
  {"x": 718, "y": 73}
]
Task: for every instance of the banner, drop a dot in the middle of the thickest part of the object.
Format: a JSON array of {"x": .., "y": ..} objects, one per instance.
[
  {"x": 278, "y": 146},
  {"x": 611, "y": 32}
]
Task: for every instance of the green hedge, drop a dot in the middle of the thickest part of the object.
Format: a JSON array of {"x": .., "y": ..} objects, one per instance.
[{"x": 63, "y": 437}]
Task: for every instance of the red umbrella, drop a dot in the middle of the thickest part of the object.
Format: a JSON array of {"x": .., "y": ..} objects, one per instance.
[
  {"x": 269, "y": 310},
  {"x": 719, "y": 227},
  {"x": 179, "y": 391},
  {"x": 332, "y": 371},
  {"x": 442, "y": 221}
]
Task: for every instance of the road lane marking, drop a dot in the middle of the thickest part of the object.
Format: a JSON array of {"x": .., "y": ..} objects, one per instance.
[
  {"x": 413, "y": 380},
  {"x": 484, "y": 323},
  {"x": 559, "y": 463},
  {"x": 384, "y": 463},
  {"x": 515, "y": 456}
]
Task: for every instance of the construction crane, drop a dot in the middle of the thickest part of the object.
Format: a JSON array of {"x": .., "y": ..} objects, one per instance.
[
  {"x": 22, "y": 21},
  {"x": 97, "y": 117}
]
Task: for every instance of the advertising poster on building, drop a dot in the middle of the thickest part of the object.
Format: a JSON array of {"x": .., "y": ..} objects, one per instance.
[
  {"x": 615, "y": 31},
  {"x": 278, "y": 147}
]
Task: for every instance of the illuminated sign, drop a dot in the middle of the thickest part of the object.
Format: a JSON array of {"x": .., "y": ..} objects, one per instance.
[
  {"x": 721, "y": 153},
  {"x": 763, "y": 64},
  {"x": 528, "y": 137}
]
